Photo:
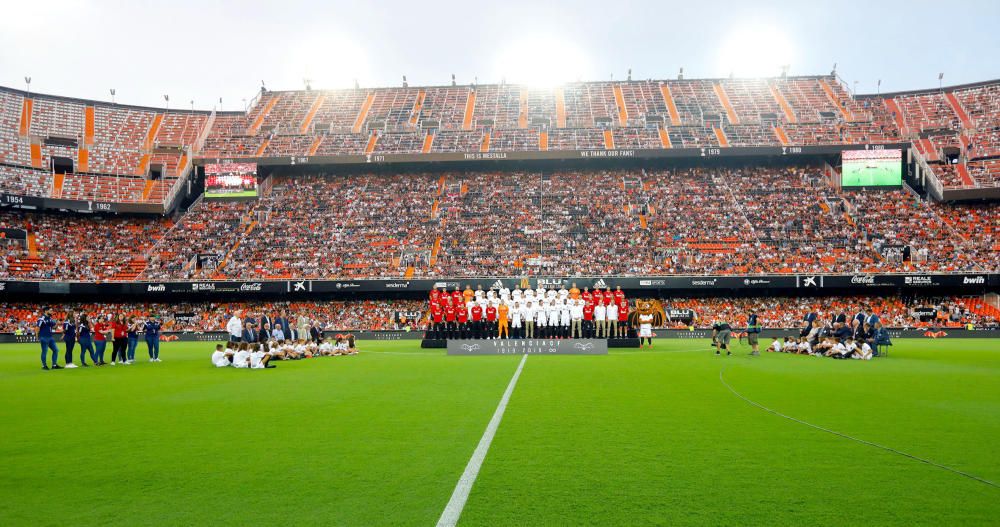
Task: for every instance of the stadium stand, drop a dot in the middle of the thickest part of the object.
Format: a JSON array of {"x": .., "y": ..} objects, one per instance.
[{"x": 750, "y": 220}]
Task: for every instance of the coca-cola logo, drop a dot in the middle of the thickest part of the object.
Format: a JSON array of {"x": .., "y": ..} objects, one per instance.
[
  {"x": 253, "y": 286},
  {"x": 863, "y": 279},
  {"x": 156, "y": 288}
]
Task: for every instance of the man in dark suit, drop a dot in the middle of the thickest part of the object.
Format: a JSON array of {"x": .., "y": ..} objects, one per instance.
[
  {"x": 315, "y": 334},
  {"x": 265, "y": 321},
  {"x": 249, "y": 333},
  {"x": 265, "y": 332}
]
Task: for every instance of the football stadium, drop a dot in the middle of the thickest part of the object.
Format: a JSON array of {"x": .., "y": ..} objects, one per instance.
[{"x": 742, "y": 294}]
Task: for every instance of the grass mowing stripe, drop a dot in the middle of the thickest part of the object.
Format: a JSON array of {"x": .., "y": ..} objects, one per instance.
[
  {"x": 845, "y": 436},
  {"x": 452, "y": 511}
]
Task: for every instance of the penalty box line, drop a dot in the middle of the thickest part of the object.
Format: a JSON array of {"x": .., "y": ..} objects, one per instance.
[
  {"x": 855, "y": 439},
  {"x": 456, "y": 504}
]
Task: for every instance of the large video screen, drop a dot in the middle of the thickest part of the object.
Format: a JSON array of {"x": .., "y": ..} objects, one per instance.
[
  {"x": 231, "y": 180},
  {"x": 872, "y": 168}
]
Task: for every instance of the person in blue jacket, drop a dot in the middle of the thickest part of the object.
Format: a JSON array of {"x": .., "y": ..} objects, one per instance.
[
  {"x": 134, "y": 327},
  {"x": 152, "y": 330},
  {"x": 86, "y": 341},
  {"x": 69, "y": 338},
  {"x": 46, "y": 338}
]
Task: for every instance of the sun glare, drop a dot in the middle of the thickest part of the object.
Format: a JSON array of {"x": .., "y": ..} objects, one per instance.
[
  {"x": 543, "y": 62},
  {"x": 756, "y": 51}
]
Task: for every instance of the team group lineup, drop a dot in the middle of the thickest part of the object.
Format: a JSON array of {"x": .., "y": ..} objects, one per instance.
[{"x": 502, "y": 313}]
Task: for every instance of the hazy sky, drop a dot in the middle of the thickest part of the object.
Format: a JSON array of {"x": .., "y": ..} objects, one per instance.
[{"x": 203, "y": 50}]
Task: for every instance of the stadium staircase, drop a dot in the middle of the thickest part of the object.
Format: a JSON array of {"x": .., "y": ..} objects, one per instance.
[
  {"x": 154, "y": 128},
  {"x": 721, "y": 136},
  {"x": 32, "y": 243},
  {"x": 26, "y": 110},
  {"x": 485, "y": 146},
  {"x": 315, "y": 145},
  {"x": 307, "y": 122},
  {"x": 928, "y": 149},
  {"x": 835, "y": 101},
  {"x": 668, "y": 98},
  {"x": 522, "y": 116},
  {"x": 470, "y": 110},
  {"x": 785, "y": 107},
  {"x": 664, "y": 137},
  {"x": 620, "y": 103},
  {"x": 720, "y": 92},
  {"x": 259, "y": 120},
  {"x": 147, "y": 189},
  {"x": 897, "y": 115},
  {"x": 609, "y": 140},
  {"x": 428, "y": 143},
  {"x": 36, "y": 155},
  {"x": 88, "y": 127},
  {"x": 959, "y": 111},
  {"x": 359, "y": 122},
  {"x": 370, "y": 147},
  {"x": 543, "y": 141},
  {"x": 263, "y": 146},
  {"x": 560, "y": 107},
  {"x": 963, "y": 172},
  {"x": 418, "y": 104},
  {"x": 83, "y": 160},
  {"x": 57, "y": 185},
  {"x": 780, "y": 133}
]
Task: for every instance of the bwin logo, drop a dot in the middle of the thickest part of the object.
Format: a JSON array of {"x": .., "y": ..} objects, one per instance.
[
  {"x": 974, "y": 280},
  {"x": 299, "y": 286},
  {"x": 158, "y": 288},
  {"x": 600, "y": 283}
]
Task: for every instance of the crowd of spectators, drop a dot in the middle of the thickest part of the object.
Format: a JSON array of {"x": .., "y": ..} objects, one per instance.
[
  {"x": 400, "y": 314},
  {"x": 594, "y": 222}
]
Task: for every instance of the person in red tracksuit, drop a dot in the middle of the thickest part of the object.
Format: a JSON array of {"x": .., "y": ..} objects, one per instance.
[
  {"x": 588, "y": 319},
  {"x": 598, "y": 297},
  {"x": 491, "y": 320},
  {"x": 435, "y": 295},
  {"x": 586, "y": 296},
  {"x": 609, "y": 296},
  {"x": 619, "y": 295},
  {"x": 477, "y": 321},
  {"x": 449, "y": 318},
  {"x": 437, "y": 317},
  {"x": 462, "y": 318},
  {"x": 623, "y": 317},
  {"x": 456, "y": 298}
]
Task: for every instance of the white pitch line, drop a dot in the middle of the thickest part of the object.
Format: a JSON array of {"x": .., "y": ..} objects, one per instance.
[{"x": 456, "y": 504}]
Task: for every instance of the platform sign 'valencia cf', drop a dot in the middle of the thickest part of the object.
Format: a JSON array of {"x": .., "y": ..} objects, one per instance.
[{"x": 528, "y": 347}]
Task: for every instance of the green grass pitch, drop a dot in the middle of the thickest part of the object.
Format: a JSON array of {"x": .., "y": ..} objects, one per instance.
[
  {"x": 252, "y": 193},
  {"x": 630, "y": 438}
]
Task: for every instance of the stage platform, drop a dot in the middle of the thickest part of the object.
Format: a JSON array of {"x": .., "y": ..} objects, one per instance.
[{"x": 610, "y": 343}]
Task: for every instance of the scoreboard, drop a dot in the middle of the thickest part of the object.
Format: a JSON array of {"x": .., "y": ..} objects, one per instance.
[{"x": 231, "y": 181}]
